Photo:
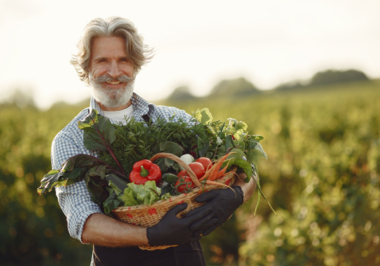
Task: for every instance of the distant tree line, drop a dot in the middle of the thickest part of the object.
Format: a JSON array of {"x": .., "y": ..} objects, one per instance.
[
  {"x": 241, "y": 87},
  {"x": 326, "y": 77}
]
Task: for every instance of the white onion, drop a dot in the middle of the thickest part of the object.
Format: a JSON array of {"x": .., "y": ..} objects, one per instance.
[{"x": 187, "y": 158}]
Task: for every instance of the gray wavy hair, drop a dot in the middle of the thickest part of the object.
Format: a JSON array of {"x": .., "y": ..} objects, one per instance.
[{"x": 138, "y": 53}]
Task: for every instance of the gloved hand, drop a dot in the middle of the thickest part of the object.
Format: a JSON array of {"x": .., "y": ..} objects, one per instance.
[
  {"x": 221, "y": 204},
  {"x": 175, "y": 231}
]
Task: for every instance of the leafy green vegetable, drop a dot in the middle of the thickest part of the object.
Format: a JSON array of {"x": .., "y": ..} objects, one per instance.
[
  {"x": 204, "y": 116},
  {"x": 116, "y": 183},
  {"x": 99, "y": 134},
  {"x": 120, "y": 146},
  {"x": 225, "y": 136},
  {"x": 170, "y": 147},
  {"x": 167, "y": 188},
  {"x": 128, "y": 198},
  {"x": 136, "y": 141},
  {"x": 111, "y": 203},
  {"x": 82, "y": 167},
  {"x": 146, "y": 194},
  {"x": 165, "y": 196},
  {"x": 233, "y": 137}
]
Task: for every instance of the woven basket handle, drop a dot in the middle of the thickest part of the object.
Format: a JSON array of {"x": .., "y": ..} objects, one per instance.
[{"x": 181, "y": 163}]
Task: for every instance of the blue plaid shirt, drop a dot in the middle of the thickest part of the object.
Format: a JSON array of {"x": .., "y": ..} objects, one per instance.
[{"x": 75, "y": 200}]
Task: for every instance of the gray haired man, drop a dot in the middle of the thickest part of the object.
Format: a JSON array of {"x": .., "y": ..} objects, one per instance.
[{"x": 110, "y": 54}]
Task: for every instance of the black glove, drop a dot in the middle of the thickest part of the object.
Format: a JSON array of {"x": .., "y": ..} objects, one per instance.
[
  {"x": 221, "y": 203},
  {"x": 175, "y": 231}
]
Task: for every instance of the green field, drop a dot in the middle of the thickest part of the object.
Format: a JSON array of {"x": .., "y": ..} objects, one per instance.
[{"x": 321, "y": 176}]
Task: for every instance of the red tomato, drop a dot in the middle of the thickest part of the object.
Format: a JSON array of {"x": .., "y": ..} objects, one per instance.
[
  {"x": 198, "y": 169},
  {"x": 206, "y": 162},
  {"x": 185, "y": 187},
  {"x": 182, "y": 173}
]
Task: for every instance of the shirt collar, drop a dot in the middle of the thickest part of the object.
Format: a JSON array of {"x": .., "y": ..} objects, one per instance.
[{"x": 140, "y": 106}]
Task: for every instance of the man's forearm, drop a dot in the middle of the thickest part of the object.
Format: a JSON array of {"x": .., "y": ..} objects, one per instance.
[
  {"x": 102, "y": 230},
  {"x": 247, "y": 188}
]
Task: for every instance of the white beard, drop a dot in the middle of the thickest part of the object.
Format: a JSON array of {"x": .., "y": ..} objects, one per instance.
[{"x": 111, "y": 98}]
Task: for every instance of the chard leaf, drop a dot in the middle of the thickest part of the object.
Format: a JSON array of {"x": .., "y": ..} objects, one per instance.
[
  {"x": 98, "y": 134},
  {"x": 69, "y": 164},
  {"x": 74, "y": 173},
  {"x": 50, "y": 173},
  {"x": 50, "y": 180},
  {"x": 99, "y": 170},
  {"x": 98, "y": 193},
  {"x": 77, "y": 168},
  {"x": 84, "y": 160},
  {"x": 111, "y": 203}
]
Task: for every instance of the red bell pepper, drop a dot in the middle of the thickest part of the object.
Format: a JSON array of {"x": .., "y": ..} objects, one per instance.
[{"x": 144, "y": 171}]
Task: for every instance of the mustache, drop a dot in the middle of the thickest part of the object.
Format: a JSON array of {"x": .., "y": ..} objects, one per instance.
[{"x": 106, "y": 78}]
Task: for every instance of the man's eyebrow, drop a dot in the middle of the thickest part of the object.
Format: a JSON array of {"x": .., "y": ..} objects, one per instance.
[
  {"x": 100, "y": 59},
  {"x": 124, "y": 58},
  {"x": 105, "y": 58}
]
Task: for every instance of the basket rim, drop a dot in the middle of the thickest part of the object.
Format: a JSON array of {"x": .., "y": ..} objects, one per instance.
[{"x": 173, "y": 198}]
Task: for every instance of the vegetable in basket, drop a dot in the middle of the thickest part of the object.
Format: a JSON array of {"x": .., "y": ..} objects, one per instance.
[
  {"x": 227, "y": 144},
  {"x": 144, "y": 171},
  {"x": 184, "y": 184},
  {"x": 206, "y": 162}
]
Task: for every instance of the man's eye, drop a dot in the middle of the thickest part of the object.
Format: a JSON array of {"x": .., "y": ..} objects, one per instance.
[{"x": 124, "y": 60}]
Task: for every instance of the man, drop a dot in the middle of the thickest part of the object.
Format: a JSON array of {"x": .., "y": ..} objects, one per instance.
[{"x": 111, "y": 52}]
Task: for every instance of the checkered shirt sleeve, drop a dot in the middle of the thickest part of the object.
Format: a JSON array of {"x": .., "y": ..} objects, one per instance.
[{"x": 74, "y": 200}]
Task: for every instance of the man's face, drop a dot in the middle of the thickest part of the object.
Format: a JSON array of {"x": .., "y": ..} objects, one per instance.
[{"x": 111, "y": 75}]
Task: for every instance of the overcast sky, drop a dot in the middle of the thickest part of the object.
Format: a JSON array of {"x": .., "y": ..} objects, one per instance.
[{"x": 197, "y": 43}]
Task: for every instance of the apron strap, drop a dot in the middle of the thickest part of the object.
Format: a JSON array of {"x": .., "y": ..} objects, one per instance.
[{"x": 147, "y": 119}]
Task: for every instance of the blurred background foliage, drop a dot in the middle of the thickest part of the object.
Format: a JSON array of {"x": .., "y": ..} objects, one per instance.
[{"x": 322, "y": 138}]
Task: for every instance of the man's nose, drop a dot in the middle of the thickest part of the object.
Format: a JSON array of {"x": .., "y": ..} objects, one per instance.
[{"x": 114, "y": 70}]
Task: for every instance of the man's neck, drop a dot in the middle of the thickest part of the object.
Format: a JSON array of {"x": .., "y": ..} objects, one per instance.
[{"x": 119, "y": 108}]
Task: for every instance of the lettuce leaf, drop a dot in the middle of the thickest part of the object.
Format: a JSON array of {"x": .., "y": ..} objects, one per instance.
[{"x": 146, "y": 194}]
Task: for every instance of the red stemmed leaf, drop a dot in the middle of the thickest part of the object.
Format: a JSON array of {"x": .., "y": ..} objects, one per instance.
[
  {"x": 99, "y": 134},
  {"x": 77, "y": 168}
]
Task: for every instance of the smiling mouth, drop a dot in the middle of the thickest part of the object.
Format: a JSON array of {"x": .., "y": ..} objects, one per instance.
[{"x": 113, "y": 82}]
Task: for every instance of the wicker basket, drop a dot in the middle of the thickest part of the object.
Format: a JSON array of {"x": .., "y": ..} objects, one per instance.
[{"x": 148, "y": 216}]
